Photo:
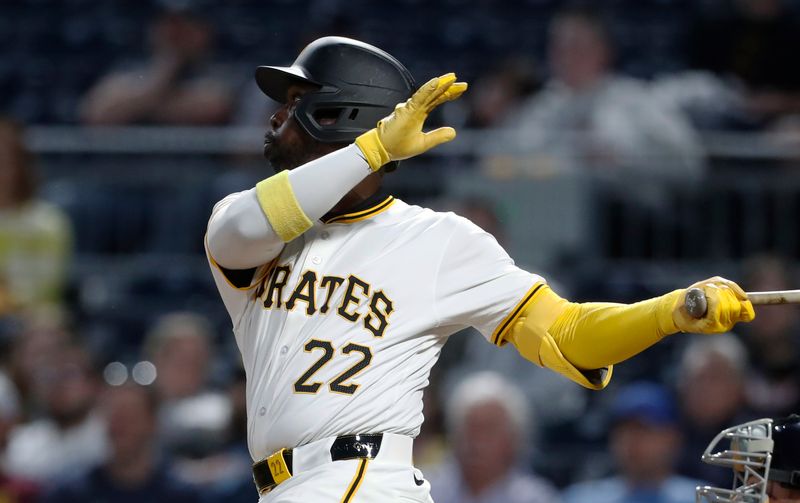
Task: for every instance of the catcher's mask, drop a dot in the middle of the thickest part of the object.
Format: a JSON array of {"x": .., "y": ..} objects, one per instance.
[
  {"x": 356, "y": 85},
  {"x": 757, "y": 451}
]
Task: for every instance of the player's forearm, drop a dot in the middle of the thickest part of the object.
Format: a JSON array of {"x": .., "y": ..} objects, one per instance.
[
  {"x": 575, "y": 339},
  {"x": 321, "y": 183},
  {"x": 251, "y": 229},
  {"x": 595, "y": 335}
]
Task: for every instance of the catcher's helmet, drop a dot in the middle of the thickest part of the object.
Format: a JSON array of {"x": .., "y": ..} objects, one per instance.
[
  {"x": 785, "y": 466},
  {"x": 757, "y": 451},
  {"x": 357, "y": 85}
]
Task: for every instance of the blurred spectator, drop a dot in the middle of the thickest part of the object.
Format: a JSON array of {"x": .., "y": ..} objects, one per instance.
[
  {"x": 12, "y": 489},
  {"x": 645, "y": 441},
  {"x": 709, "y": 101},
  {"x": 773, "y": 341},
  {"x": 179, "y": 84},
  {"x": 71, "y": 436},
  {"x": 35, "y": 237},
  {"x": 755, "y": 42},
  {"x": 133, "y": 472},
  {"x": 498, "y": 92},
  {"x": 488, "y": 421},
  {"x": 711, "y": 381},
  {"x": 232, "y": 469},
  {"x": 37, "y": 344},
  {"x": 192, "y": 418},
  {"x": 588, "y": 118},
  {"x": 179, "y": 346}
]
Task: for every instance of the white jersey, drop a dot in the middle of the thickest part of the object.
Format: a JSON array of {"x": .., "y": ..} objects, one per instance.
[{"x": 338, "y": 333}]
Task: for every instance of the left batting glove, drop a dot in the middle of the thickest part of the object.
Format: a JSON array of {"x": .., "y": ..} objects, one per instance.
[
  {"x": 727, "y": 306},
  {"x": 400, "y": 136}
]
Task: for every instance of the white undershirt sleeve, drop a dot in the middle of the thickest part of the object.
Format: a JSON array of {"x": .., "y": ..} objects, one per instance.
[{"x": 239, "y": 234}]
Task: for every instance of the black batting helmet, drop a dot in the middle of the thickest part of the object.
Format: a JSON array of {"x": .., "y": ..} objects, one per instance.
[
  {"x": 785, "y": 467},
  {"x": 357, "y": 85}
]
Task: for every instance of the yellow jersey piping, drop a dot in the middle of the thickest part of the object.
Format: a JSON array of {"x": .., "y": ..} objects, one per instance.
[
  {"x": 502, "y": 328},
  {"x": 357, "y": 216}
]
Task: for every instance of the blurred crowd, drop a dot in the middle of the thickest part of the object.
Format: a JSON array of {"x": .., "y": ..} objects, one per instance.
[{"x": 161, "y": 415}]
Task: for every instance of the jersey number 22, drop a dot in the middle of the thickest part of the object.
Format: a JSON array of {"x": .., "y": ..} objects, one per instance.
[{"x": 337, "y": 385}]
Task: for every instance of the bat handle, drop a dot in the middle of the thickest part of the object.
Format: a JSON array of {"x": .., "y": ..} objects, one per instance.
[{"x": 695, "y": 302}]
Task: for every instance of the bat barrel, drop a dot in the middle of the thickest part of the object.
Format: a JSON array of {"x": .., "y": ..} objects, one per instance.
[{"x": 777, "y": 297}]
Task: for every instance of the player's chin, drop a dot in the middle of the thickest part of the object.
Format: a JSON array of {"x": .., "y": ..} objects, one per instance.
[
  {"x": 268, "y": 151},
  {"x": 273, "y": 158}
]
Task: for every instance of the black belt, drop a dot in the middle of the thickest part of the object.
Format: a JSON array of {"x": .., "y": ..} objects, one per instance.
[{"x": 277, "y": 467}]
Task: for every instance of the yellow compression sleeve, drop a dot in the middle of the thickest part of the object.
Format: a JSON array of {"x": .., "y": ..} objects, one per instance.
[
  {"x": 277, "y": 200},
  {"x": 583, "y": 341}
]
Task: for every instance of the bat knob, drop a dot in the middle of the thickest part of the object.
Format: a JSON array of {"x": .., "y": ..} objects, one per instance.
[{"x": 695, "y": 302}]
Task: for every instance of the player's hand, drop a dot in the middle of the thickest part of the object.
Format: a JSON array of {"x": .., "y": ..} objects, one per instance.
[
  {"x": 727, "y": 305},
  {"x": 400, "y": 136}
]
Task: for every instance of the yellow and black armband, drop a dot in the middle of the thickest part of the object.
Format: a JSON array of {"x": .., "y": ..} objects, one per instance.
[{"x": 277, "y": 200}]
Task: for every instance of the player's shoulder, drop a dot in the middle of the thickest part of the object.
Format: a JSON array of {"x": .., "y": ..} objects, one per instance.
[{"x": 445, "y": 220}]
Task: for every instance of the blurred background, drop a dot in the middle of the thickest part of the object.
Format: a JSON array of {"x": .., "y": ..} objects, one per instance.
[{"x": 620, "y": 148}]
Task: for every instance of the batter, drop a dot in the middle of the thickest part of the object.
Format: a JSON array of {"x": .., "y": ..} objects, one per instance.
[{"x": 341, "y": 296}]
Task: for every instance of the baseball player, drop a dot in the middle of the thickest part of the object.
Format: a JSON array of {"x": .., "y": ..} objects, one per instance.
[
  {"x": 765, "y": 458},
  {"x": 341, "y": 296}
]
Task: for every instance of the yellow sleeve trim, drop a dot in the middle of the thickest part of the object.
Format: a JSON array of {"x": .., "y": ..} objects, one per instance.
[
  {"x": 277, "y": 200},
  {"x": 498, "y": 336},
  {"x": 358, "y": 216}
]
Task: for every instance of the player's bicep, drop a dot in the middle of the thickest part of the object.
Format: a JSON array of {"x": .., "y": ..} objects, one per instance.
[
  {"x": 237, "y": 287},
  {"x": 239, "y": 235}
]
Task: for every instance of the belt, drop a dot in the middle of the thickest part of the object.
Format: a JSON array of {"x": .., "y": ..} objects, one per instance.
[{"x": 281, "y": 465}]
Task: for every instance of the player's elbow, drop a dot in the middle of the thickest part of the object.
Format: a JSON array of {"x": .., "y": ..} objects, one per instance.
[{"x": 237, "y": 245}]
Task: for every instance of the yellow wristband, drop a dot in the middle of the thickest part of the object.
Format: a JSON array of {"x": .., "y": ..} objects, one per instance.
[
  {"x": 277, "y": 200},
  {"x": 373, "y": 149}
]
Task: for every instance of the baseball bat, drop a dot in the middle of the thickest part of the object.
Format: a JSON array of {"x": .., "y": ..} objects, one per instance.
[{"x": 696, "y": 304}]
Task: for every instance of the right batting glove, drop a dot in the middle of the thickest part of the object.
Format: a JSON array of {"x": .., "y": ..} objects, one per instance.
[
  {"x": 400, "y": 136},
  {"x": 727, "y": 306}
]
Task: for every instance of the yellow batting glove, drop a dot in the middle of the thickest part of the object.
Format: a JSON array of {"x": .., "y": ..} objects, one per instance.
[
  {"x": 400, "y": 136},
  {"x": 727, "y": 306}
]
